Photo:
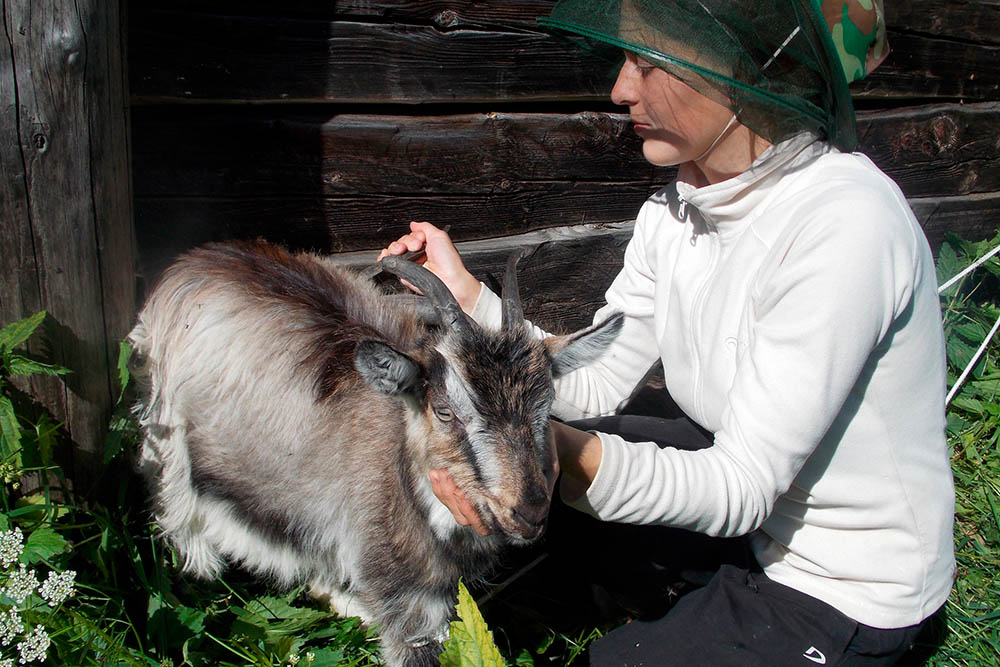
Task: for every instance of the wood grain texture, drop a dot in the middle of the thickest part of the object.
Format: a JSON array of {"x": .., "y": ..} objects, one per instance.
[
  {"x": 437, "y": 52},
  {"x": 353, "y": 182},
  {"x": 933, "y": 150},
  {"x": 66, "y": 206},
  {"x": 562, "y": 278}
]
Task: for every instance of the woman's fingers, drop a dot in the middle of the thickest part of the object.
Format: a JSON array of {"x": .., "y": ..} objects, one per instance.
[
  {"x": 456, "y": 501},
  {"x": 406, "y": 243}
]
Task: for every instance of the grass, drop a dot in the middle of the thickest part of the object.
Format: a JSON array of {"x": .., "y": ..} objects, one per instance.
[
  {"x": 131, "y": 607},
  {"x": 970, "y": 309}
]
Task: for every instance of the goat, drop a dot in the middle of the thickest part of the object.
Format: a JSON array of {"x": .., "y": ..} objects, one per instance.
[{"x": 292, "y": 411}]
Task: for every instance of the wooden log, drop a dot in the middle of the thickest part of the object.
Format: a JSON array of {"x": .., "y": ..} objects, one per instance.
[
  {"x": 925, "y": 68},
  {"x": 168, "y": 226},
  {"x": 975, "y": 218},
  {"x": 198, "y": 152},
  {"x": 446, "y": 58},
  {"x": 974, "y": 20},
  {"x": 354, "y": 182},
  {"x": 563, "y": 277},
  {"x": 935, "y": 150},
  {"x": 66, "y": 207},
  {"x": 977, "y": 20}
]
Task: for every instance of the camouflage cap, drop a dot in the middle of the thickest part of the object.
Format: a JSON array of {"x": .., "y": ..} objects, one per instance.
[{"x": 858, "y": 31}]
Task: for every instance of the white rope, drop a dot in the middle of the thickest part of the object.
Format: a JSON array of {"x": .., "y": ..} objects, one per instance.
[
  {"x": 972, "y": 364},
  {"x": 982, "y": 348},
  {"x": 972, "y": 267}
]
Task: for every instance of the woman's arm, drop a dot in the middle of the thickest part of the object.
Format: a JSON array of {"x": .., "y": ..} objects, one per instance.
[{"x": 599, "y": 388}]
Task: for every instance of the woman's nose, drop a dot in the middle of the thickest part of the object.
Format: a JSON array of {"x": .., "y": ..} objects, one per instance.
[{"x": 623, "y": 91}]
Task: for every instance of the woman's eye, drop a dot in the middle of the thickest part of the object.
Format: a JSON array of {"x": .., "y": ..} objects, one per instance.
[
  {"x": 643, "y": 65},
  {"x": 444, "y": 414}
]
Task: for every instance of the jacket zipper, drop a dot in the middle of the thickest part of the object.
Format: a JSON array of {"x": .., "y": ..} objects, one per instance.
[{"x": 696, "y": 312}]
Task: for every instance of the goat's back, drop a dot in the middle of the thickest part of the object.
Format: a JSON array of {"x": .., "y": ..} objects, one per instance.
[{"x": 248, "y": 353}]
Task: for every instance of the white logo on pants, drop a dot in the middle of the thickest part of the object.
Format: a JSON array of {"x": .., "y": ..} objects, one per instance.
[{"x": 815, "y": 655}]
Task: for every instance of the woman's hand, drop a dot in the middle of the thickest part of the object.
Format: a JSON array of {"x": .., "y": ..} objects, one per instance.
[
  {"x": 440, "y": 258},
  {"x": 455, "y": 500}
]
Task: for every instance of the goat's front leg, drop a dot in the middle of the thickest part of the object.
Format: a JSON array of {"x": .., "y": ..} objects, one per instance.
[{"x": 413, "y": 624}]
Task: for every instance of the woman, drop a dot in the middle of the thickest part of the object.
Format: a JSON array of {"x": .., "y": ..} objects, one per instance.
[{"x": 792, "y": 298}]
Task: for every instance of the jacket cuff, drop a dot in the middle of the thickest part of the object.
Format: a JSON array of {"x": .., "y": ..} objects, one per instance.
[{"x": 488, "y": 311}]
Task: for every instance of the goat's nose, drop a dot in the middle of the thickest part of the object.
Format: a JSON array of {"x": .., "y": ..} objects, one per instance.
[{"x": 530, "y": 519}]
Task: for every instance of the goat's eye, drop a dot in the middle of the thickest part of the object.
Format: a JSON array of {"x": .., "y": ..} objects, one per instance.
[{"x": 444, "y": 414}]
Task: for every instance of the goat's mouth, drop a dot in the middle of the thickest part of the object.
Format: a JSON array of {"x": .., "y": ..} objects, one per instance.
[{"x": 520, "y": 524}]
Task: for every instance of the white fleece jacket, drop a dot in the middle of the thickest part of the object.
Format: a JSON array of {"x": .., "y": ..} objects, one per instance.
[{"x": 795, "y": 310}]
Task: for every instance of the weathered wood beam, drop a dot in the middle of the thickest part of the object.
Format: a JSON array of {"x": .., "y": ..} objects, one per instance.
[
  {"x": 976, "y": 20},
  {"x": 67, "y": 236},
  {"x": 935, "y": 150},
  {"x": 168, "y": 228},
  {"x": 563, "y": 278},
  {"x": 448, "y": 55},
  {"x": 353, "y": 182}
]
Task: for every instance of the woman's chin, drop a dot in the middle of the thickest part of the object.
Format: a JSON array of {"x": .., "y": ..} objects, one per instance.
[{"x": 662, "y": 154}]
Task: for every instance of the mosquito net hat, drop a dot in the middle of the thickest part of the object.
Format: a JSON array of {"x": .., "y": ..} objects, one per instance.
[{"x": 782, "y": 66}]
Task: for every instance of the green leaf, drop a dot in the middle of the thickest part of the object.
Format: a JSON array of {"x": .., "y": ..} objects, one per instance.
[
  {"x": 960, "y": 355},
  {"x": 46, "y": 431},
  {"x": 10, "y": 429},
  {"x": 192, "y": 619},
  {"x": 968, "y": 404},
  {"x": 948, "y": 264},
  {"x": 42, "y": 544},
  {"x": 470, "y": 642},
  {"x": 23, "y": 366},
  {"x": 124, "y": 354},
  {"x": 325, "y": 657},
  {"x": 16, "y": 333},
  {"x": 175, "y": 625}
]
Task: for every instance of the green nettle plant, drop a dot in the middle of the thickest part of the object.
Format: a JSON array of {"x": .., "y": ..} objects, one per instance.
[
  {"x": 91, "y": 584},
  {"x": 971, "y": 312},
  {"x": 29, "y": 608}
]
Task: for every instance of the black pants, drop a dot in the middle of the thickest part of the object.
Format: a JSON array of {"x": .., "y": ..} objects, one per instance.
[{"x": 738, "y": 617}]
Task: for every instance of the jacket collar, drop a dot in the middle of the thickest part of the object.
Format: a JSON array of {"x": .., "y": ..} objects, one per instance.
[{"x": 729, "y": 206}]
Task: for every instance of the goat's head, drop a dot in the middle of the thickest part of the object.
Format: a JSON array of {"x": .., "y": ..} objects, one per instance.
[{"x": 483, "y": 400}]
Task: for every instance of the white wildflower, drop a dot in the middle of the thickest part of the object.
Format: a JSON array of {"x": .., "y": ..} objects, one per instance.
[
  {"x": 310, "y": 658},
  {"x": 21, "y": 584},
  {"x": 293, "y": 659},
  {"x": 58, "y": 587},
  {"x": 35, "y": 645},
  {"x": 7, "y": 662},
  {"x": 11, "y": 547},
  {"x": 10, "y": 627}
]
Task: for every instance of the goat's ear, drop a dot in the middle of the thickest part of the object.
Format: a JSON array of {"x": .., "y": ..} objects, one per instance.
[
  {"x": 384, "y": 369},
  {"x": 583, "y": 347}
]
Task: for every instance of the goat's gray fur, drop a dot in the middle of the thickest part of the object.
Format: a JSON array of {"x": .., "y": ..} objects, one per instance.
[{"x": 292, "y": 412}]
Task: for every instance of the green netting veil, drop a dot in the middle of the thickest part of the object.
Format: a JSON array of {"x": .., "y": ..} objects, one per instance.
[{"x": 775, "y": 63}]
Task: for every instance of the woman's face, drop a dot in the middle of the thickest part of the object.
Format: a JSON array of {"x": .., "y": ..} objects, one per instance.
[{"x": 677, "y": 123}]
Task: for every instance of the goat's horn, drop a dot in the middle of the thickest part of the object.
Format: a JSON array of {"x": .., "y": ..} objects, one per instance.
[
  {"x": 513, "y": 313},
  {"x": 432, "y": 287}
]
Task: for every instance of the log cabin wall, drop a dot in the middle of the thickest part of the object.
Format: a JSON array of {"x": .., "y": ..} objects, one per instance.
[{"x": 331, "y": 125}]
